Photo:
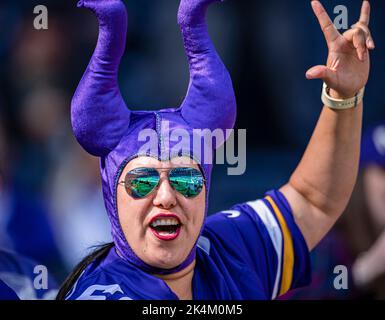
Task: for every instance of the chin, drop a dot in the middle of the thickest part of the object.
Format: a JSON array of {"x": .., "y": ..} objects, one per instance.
[{"x": 166, "y": 259}]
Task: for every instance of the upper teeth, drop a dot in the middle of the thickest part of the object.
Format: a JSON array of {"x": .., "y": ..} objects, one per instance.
[{"x": 164, "y": 222}]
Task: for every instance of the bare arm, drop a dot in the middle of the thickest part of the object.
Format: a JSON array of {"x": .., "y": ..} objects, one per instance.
[{"x": 321, "y": 185}]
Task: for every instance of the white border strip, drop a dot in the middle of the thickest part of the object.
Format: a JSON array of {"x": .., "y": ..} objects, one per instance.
[{"x": 275, "y": 234}]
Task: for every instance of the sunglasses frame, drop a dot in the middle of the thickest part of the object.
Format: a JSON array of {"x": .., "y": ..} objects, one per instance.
[{"x": 126, "y": 182}]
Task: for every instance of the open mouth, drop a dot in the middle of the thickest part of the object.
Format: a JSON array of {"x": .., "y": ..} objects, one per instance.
[{"x": 165, "y": 227}]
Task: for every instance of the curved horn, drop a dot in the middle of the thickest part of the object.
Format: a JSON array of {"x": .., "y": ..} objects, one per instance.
[
  {"x": 98, "y": 113},
  {"x": 210, "y": 100}
]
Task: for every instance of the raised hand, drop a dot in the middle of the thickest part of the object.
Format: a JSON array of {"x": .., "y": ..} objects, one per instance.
[{"x": 348, "y": 63}]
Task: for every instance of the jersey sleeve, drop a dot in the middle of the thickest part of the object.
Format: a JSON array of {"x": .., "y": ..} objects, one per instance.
[{"x": 263, "y": 235}]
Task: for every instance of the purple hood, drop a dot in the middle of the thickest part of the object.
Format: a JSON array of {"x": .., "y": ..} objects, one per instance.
[{"x": 105, "y": 127}]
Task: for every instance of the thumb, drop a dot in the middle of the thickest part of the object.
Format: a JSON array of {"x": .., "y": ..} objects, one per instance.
[{"x": 321, "y": 72}]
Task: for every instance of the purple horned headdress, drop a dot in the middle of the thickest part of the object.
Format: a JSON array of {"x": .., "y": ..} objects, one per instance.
[{"x": 106, "y": 128}]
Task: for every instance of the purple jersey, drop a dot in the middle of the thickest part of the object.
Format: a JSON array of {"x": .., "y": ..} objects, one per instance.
[
  {"x": 18, "y": 276},
  {"x": 252, "y": 251},
  {"x": 6, "y": 293}
]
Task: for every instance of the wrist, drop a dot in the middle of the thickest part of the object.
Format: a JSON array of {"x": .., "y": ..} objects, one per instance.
[
  {"x": 337, "y": 95},
  {"x": 335, "y": 100}
]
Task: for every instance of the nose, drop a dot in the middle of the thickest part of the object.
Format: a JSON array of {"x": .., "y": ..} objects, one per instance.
[{"x": 165, "y": 196}]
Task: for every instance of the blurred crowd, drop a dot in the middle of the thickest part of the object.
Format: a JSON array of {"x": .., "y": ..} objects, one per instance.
[{"x": 51, "y": 207}]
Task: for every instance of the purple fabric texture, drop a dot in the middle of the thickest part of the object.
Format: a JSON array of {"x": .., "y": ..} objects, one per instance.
[{"x": 106, "y": 128}]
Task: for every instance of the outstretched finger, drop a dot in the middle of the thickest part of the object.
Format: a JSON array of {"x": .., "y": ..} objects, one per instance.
[
  {"x": 328, "y": 28},
  {"x": 365, "y": 13},
  {"x": 322, "y": 72}
]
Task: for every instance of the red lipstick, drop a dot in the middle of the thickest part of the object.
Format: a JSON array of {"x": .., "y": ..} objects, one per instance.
[{"x": 166, "y": 232}]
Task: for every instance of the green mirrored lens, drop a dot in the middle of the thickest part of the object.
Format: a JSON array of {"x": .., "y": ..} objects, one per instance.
[
  {"x": 142, "y": 181},
  {"x": 187, "y": 181}
]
